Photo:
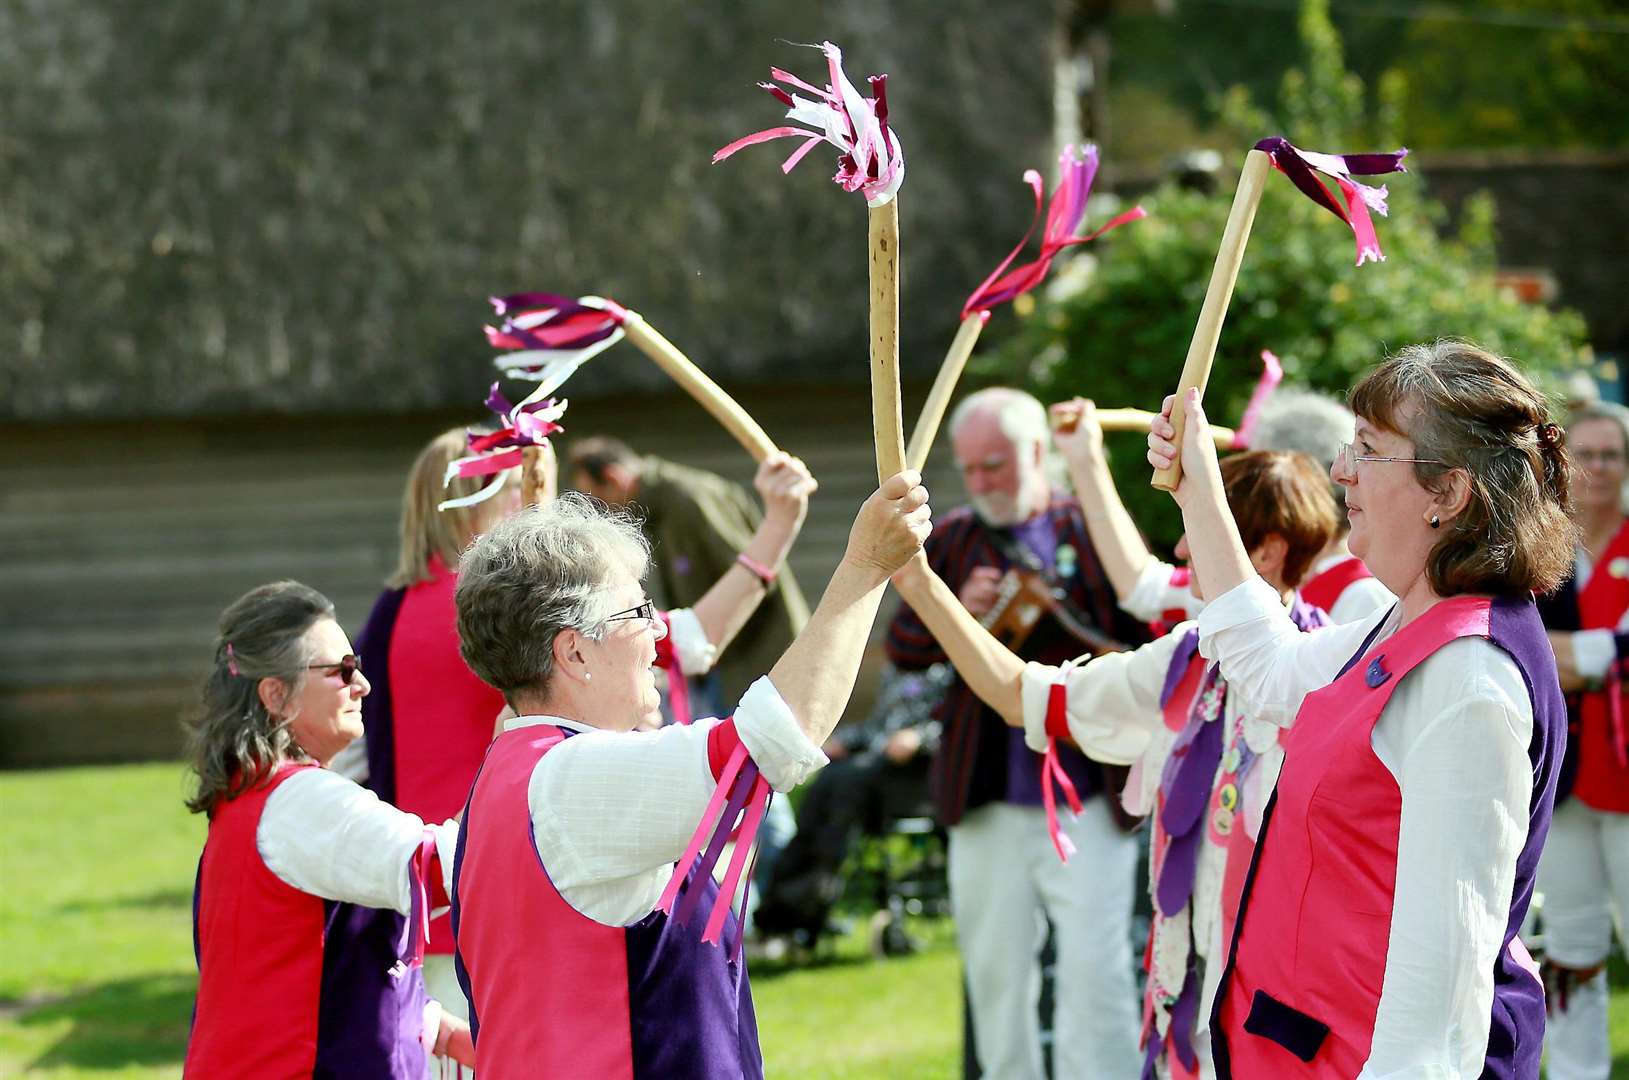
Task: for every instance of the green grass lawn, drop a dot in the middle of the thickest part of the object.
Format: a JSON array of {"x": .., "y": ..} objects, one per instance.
[{"x": 97, "y": 976}]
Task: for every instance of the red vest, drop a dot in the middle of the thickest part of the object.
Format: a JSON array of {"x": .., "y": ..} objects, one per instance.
[
  {"x": 1307, "y": 965},
  {"x": 442, "y": 714},
  {"x": 1602, "y": 781},
  {"x": 1323, "y": 590},
  {"x": 259, "y": 944}
]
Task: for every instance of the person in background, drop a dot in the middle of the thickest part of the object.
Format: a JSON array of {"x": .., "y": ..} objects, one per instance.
[
  {"x": 1005, "y": 879},
  {"x": 700, "y": 526},
  {"x": 430, "y": 719},
  {"x": 1584, "y": 876},
  {"x": 578, "y": 817},
  {"x": 288, "y": 838}
]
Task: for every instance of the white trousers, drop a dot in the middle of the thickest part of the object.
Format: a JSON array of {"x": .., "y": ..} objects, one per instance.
[
  {"x": 441, "y": 982},
  {"x": 1005, "y": 879},
  {"x": 1584, "y": 876}
]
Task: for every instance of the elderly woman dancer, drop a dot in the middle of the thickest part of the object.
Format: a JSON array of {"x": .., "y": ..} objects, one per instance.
[
  {"x": 576, "y": 818},
  {"x": 1584, "y": 876},
  {"x": 1377, "y": 931},
  {"x": 1202, "y": 767},
  {"x": 286, "y": 836},
  {"x": 430, "y": 719}
]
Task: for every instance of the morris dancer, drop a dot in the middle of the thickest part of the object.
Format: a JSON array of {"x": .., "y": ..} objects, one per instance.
[
  {"x": 573, "y": 827},
  {"x": 286, "y": 837},
  {"x": 1318, "y": 425},
  {"x": 1377, "y": 933},
  {"x": 1203, "y": 769},
  {"x": 1584, "y": 876},
  {"x": 430, "y": 719}
]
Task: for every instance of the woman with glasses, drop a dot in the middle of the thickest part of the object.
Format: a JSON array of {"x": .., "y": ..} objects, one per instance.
[
  {"x": 430, "y": 719},
  {"x": 287, "y": 837},
  {"x": 1584, "y": 877},
  {"x": 1376, "y": 934},
  {"x": 578, "y": 816}
]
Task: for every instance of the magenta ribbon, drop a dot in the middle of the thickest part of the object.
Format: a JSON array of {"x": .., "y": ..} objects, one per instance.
[
  {"x": 1077, "y": 170},
  {"x": 1272, "y": 373},
  {"x": 741, "y": 789},
  {"x": 1303, "y": 167}
]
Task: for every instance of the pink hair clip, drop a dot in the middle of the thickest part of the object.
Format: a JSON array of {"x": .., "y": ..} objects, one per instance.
[{"x": 231, "y": 660}]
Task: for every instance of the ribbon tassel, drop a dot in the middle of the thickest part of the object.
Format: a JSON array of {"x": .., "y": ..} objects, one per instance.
[{"x": 1053, "y": 775}]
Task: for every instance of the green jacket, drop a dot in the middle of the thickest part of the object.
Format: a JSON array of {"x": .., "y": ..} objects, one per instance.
[{"x": 698, "y": 523}]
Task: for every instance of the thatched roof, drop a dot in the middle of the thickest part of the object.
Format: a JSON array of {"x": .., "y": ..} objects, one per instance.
[{"x": 222, "y": 206}]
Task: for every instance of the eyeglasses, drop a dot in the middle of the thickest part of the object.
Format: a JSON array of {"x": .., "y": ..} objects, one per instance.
[
  {"x": 1348, "y": 461},
  {"x": 646, "y": 611},
  {"x": 348, "y": 667},
  {"x": 1598, "y": 457}
]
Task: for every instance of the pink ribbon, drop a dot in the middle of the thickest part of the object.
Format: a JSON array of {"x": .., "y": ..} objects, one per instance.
[
  {"x": 1303, "y": 168},
  {"x": 1272, "y": 373},
  {"x": 1052, "y": 771},
  {"x": 1076, "y": 171}
]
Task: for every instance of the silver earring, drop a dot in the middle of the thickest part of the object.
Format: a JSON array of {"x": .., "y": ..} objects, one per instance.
[
  {"x": 1436, "y": 523},
  {"x": 588, "y": 676}
]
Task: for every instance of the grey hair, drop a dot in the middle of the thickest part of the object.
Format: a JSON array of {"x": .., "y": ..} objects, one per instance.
[
  {"x": 541, "y": 572},
  {"x": 233, "y": 741},
  {"x": 1021, "y": 416},
  {"x": 1605, "y": 410},
  {"x": 1311, "y": 423}
]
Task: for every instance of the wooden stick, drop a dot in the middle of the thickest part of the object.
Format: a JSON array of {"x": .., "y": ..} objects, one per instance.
[
  {"x": 886, "y": 424},
  {"x": 1137, "y": 420},
  {"x": 933, "y": 410},
  {"x": 699, "y": 385},
  {"x": 538, "y": 475},
  {"x": 1202, "y": 349}
]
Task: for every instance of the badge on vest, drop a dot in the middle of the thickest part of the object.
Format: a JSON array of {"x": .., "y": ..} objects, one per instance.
[
  {"x": 1377, "y": 674},
  {"x": 1068, "y": 561},
  {"x": 1619, "y": 567}
]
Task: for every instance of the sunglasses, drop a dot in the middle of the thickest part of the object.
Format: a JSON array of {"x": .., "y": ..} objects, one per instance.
[{"x": 347, "y": 668}]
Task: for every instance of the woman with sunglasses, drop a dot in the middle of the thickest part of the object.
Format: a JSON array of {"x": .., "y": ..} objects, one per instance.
[
  {"x": 430, "y": 719},
  {"x": 289, "y": 837},
  {"x": 1376, "y": 935},
  {"x": 569, "y": 841},
  {"x": 1584, "y": 877}
]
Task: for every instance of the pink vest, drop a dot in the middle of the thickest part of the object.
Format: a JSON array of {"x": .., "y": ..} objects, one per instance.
[
  {"x": 1308, "y": 958},
  {"x": 259, "y": 944}
]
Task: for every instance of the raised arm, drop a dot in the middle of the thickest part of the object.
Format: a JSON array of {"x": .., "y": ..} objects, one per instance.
[
  {"x": 785, "y": 484},
  {"x": 990, "y": 669},
  {"x": 816, "y": 674},
  {"x": 1119, "y": 545}
]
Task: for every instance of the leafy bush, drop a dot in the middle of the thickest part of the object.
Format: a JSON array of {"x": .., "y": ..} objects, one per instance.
[{"x": 1120, "y": 338}]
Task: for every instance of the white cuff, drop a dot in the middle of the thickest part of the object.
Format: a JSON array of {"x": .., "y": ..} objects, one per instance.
[
  {"x": 1593, "y": 652},
  {"x": 1245, "y": 602},
  {"x": 772, "y": 736},
  {"x": 447, "y": 851},
  {"x": 1155, "y": 594},
  {"x": 1035, "y": 687},
  {"x": 696, "y": 654}
]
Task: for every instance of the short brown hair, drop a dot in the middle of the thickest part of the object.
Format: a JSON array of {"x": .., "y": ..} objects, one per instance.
[
  {"x": 1283, "y": 493},
  {"x": 1475, "y": 411}
]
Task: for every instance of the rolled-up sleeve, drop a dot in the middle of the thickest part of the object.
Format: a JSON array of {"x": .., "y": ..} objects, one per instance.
[
  {"x": 696, "y": 654},
  {"x": 1112, "y": 702},
  {"x": 1157, "y": 592},
  {"x": 1269, "y": 663},
  {"x": 326, "y": 836},
  {"x": 1593, "y": 652}
]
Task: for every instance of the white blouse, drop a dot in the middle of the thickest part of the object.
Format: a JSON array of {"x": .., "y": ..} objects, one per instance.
[
  {"x": 1154, "y": 594},
  {"x": 612, "y": 811},
  {"x": 1114, "y": 716},
  {"x": 1455, "y": 735},
  {"x": 324, "y": 835},
  {"x": 1361, "y": 598}
]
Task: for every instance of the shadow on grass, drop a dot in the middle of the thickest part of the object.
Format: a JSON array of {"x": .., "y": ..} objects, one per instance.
[
  {"x": 136, "y": 1021},
  {"x": 161, "y": 898}
]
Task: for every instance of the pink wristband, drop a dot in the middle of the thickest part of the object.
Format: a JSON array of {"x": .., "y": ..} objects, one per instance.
[{"x": 764, "y": 573}]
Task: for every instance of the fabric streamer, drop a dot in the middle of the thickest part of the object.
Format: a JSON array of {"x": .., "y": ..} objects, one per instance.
[
  {"x": 1303, "y": 167},
  {"x": 547, "y": 337},
  {"x": 872, "y": 163},
  {"x": 494, "y": 453},
  {"x": 1272, "y": 373},
  {"x": 1052, "y": 771},
  {"x": 1064, "y": 215}
]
